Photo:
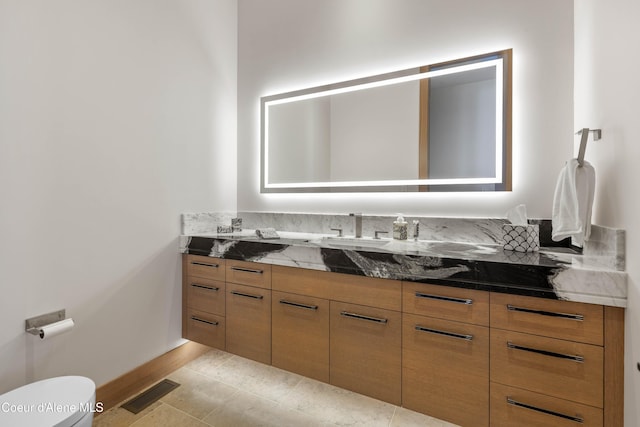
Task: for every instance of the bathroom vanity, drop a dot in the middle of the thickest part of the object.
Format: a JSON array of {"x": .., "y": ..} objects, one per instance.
[{"x": 465, "y": 333}]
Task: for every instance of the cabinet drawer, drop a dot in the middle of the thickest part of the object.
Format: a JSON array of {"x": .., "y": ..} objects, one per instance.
[
  {"x": 370, "y": 291},
  {"x": 365, "y": 350},
  {"x": 572, "y": 321},
  {"x": 300, "y": 335},
  {"x": 206, "y": 328},
  {"x": 205, "y": 295},
  {"x": 249, "y": 273},
  {"x": 301, "y": 281},
  {"x": 206, "y": 267},
  {"x": 564, "y": 369},
  {"x": 515, "y": 407},
  {"x": 445, "y": 370},
  {"x": 249, "y": 322},
  {"x": 444, "y": 302}
]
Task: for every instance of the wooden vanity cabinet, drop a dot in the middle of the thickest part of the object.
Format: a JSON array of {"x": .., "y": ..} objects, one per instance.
[
  {"x": 203, "y": 299},
  {"x": 474, "y": 358},
  {"x": 445, "y": 353},
  {"x": 227, "y": 305},
  {"x": 248, "y": 310},
  {"x": 555, "y": 362}
]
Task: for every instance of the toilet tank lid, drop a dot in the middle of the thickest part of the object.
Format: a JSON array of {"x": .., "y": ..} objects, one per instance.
[{"x": 54, "y": 401}]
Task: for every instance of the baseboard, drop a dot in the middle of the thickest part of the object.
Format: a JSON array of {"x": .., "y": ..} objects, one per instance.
[{"x": 144, "y": 376}]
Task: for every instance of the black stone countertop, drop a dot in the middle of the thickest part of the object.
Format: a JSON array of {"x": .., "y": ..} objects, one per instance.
[{"x": 558, "y": 273}]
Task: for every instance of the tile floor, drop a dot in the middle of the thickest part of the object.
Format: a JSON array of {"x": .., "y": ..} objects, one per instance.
[{"x": 222, "y": 390}]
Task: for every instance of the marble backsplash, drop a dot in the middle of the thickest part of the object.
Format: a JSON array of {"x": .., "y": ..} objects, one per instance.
[
  {"x": 604, "y": 241},
  {"x": 194, "y": 224},
  {"x": 467, "y": 230}
]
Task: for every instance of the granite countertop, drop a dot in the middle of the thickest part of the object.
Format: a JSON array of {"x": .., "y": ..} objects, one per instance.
[{"x": 558, "y": 273}]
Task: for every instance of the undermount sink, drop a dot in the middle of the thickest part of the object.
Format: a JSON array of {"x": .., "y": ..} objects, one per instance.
[{"x": 367, "y": 242}]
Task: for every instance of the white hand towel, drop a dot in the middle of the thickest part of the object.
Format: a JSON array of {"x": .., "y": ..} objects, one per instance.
[{"x": 572, "y": 202}]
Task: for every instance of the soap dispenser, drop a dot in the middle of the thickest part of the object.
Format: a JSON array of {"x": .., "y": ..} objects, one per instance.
[{"x": 400, "y": 228}]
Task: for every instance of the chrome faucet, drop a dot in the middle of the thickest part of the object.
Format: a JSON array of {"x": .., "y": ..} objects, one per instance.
[{"x": 358, "y": 226}]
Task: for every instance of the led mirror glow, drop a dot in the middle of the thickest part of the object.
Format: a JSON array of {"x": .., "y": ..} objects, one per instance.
[{"x": 393, "y": 132}]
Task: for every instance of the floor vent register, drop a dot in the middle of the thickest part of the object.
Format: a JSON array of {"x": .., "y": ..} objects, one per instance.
[{"x": 149, "y": 396}]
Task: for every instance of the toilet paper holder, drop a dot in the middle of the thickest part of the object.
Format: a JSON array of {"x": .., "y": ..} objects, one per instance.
[{"x": 34, "y": 324}]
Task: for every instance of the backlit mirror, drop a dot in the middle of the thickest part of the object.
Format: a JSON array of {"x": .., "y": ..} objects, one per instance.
[{"x": 439, "y": 127}]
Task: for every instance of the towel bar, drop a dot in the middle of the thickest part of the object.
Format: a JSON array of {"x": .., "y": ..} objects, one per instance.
[{"x": 597, "y": 135}]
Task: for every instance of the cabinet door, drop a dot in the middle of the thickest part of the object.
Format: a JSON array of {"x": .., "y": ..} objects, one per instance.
[
  {"x": 445, "y": 370},
  {"x": 365, "y": 349},
  {"x": 249, "y": 322},
  {"x": 300, "y": 335}
]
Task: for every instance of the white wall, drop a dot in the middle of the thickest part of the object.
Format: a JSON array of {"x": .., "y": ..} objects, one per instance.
[
  {"x": 607, "y": 91},
  {"x": 286, "y": 45},
  {"x": 115, "y": 117}
]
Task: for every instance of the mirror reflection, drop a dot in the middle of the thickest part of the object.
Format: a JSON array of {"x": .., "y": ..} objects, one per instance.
[{"x": 442, "y": 127}]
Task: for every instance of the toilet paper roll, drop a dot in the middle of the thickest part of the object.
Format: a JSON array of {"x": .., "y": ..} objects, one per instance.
[{"x": 57, "y": 328}]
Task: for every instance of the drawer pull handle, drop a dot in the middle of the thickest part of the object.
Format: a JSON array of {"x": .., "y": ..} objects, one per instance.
[
  {"x": 578, "y": 317},
  {"x": 204, "y": 264},
  {"x": 442, "y": 298},
  {"x": 578, "y": 359},
  {"x": 447, "y": 334},
  {"x": 208, "y": 322},
  {"x": 576, "y": 419},
  {"x": 297, "y": 304},
  {"x": 247, "y": 270},
  {"x": 208, "y": 288},
  {"x": 363, "y": 317},
  {"x": 242, "y": 294}
]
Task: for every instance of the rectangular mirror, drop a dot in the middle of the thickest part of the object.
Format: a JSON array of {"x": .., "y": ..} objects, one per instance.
[{"x": 439, "y": 127}]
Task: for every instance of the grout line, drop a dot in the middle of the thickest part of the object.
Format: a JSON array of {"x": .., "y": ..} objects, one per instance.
[
  {"x": 395, "y": 409},
  {"x": 146, "y": 415},
  {"x": 267, "y": 397},
  {"x": 174, "y": 408}
]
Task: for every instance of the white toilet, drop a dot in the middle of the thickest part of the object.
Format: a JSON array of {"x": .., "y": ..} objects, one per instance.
[{"x": 60, "y": 402}]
